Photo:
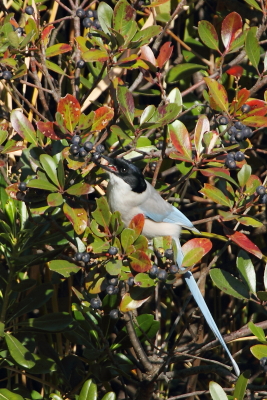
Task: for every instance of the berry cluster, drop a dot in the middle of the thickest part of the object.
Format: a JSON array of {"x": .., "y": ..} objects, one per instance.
[
  {"x": 79, "y": 150},
  {"x": 85, "y": 257},
  {"x": 162, "y": 274},
  {"x": 86, "y": 17},
  {"x": 237, "y": 132},
  {"x": 231, "y": 158},
  {"x": 261, "y": 191}
]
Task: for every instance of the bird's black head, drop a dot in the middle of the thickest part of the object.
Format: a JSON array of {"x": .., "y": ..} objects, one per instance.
[{"x": 127, "y": 171}]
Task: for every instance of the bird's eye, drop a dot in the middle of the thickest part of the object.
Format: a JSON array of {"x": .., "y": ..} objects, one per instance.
[{"x": 123, "y": 170}]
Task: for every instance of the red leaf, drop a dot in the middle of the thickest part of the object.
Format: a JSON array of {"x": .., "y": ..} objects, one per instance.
[
  {"x": 243, "y": 241},
  {"x": 102, "y": 117},
  {"x": 240, "y": 99},
  {"x": 70, "y": 109},
  {"x": 47, "y": 129},
  {"x": 46, "y": 32},
  {"x": 164, "y": 54},
  {"x": 235, "y": 71},
  {"x": 258, "y": 107},
  {"x": 12, "y": 190},
  {"x": 137, "y": 223},
  {"x": 231, "y": 28}
]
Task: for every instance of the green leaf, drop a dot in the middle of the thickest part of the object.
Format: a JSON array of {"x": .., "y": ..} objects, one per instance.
[
  {"x": 89, "y": 391},
  {"x": 259, "y": 351},
  {"x": 57, "y": 49},
  {"x": 95, "y": 55},
  {"x": 135, "y": 298},
  {"x": 63, "y": 267},
  {"x": 244, "y": 174},
  {"x": 208, "y": 35},
  {"x": 216, "y": 195},
  {"x": 37, "y": 297},
  {"x": 127, "y": 239},
  {"x": 55, "y": 199},
  {"x": 122, "y": 14},
  {"x": 252, "y": 47},
  {"x": 218, "y": 172},
  {"x": 246, "y": 269},
  {"x": 254, "y": 4},
  {"x": 102, "y": 214},
  {"x": 257, "y": 331},
  {"x": 113, "y": 267},
  {"x": 146, "y": 326},
  {"x": 3, "y": 136},
  {"x": 53, "y": 322},
  {"x": 126, "y": 103},
  {"x": 147, "y": 114},
  {"x": 182, "y": 71},
  {"x": 42, "y": 184},
  {"x": 229, "y": 284},
  {"x": 109, "y": 396},
  {"x": 54, "y": 67},
  {"x": 22, "y": 125},
  {"x": 80, "y": 189},
  {"x": 50, "y": 168},
  {"x": 105, "y": 14},
  {"x": 5, "y": 394},
  {"x": 144, "y": 36},
  {"x": 194, "y": 250},
  {"x": 18, "y": 352},
  {"x": 143, "y": 280},
  {"x": 241, "y": 385},
  {"x": 217, "y": 392}
]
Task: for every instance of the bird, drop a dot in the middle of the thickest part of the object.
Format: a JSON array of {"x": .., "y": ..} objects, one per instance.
[{"x": 130, "y": 193}]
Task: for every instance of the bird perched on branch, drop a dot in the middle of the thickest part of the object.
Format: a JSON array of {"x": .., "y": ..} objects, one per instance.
[{"x": 129, "y": 193}]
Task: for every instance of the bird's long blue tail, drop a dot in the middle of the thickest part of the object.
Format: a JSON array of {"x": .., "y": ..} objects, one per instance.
[{"x": 190, "y": 280}]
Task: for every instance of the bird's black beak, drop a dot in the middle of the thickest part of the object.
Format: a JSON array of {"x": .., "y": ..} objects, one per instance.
[{"x": 110, "y": 165}]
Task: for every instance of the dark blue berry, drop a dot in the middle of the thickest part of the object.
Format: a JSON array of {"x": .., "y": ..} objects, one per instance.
[
  {"x": 239, "y": 125},
  {"x": 153, "y": 272},
  {"x": 239, "y": 136},
  {"x": 78, "y": 256},
  {"x": 74, "y": 149},
  {"x": 80, "y": 64},
  {"x": 245, "y": 108},
  {"x": 76, "y": 139},
  {"x": 110, "y": 289},
  {"x": 113, "y": 280},
  {"x": 95, "y": 302},
  {"x": 82, "y": 152},
  {"x": 130, "y": 281},
  {"x": 162, "y": 275},
  {"x": 114, "y": 314},
  {"x": 19, "y": 31},
  {"x": 223, "y": 121},
  {"x": 87, "y": 22},
  {"x": 232, "y": 139},
  {"x": 263, "y": 199},
  {"x": 96, "y": 24},
  {"x": 230, "y": 163},
  {"x": 96, "y": 157},
  {"x": 247, "y": 132},
  {"x": 173, "y": 269},
  {"x": 153, "y": 166},
  {"x": 29, "y": 10},
  {"x": 261, "y": 190},
  {"x": 80, "y": 13},
  {"x": 168, "y": 253},
  {"x": 239, "y": 156},
  {"x": 22, "y": 186},
  {"x": 88, "y": 146},
  {"x": 159, "y": 145},
  {"x": 232, "y": 130},
  {"x": 112, "y": 250},
  {"x": 86, "y": 257},
  {"x": 90, "y": 13}
]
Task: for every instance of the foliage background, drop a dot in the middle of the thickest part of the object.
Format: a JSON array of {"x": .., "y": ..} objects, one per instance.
[{"x": 155, "y": 95}]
